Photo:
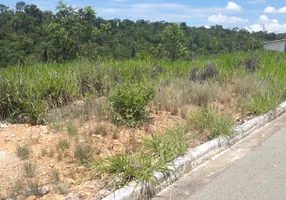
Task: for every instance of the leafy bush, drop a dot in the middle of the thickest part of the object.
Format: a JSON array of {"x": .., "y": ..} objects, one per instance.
[
  {"x": 210, "y": 122},
  {"x": 128, "y": 103}
]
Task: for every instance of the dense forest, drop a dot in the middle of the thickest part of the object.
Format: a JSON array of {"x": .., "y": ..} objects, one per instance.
[{"x": 29, "y": 35}]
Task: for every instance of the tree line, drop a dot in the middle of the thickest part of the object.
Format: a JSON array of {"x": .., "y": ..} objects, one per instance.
[{"x": 29, "y": 35}]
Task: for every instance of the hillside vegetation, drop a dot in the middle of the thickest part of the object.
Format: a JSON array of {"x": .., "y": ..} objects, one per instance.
[
  {"x": 117, "y": 100},
  {"x": 29, "y": 35}
]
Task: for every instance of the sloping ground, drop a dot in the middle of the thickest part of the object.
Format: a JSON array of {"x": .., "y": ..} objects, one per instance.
[{"x": 57, "y": 171}]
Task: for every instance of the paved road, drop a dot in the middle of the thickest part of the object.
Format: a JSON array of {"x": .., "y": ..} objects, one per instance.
[{"x": 254, "y": 169}]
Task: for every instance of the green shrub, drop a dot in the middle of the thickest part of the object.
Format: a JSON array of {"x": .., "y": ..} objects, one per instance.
[
  {"x": 128, "y": 103},
  {"x": 210, "y": 122}
]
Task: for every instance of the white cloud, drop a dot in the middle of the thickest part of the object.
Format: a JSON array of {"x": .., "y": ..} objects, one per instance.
[
  {"x": 224, "y": 19},
  {"x": 233, "y": 6},
  {"x": 172, "y": 12},
  {"x": 267, "y": 24},
  {"x": 269, "y": 9},
  {"x": 272, "y": 10}
]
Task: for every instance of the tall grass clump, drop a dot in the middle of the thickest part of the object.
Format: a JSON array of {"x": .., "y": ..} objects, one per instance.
[
  {"x": 248, "y": 85},
  {"x": 125, "y": 168},
  {"x": 28, "y": 92},
  {"x": 261, "y": 103},
  {"x": 210, "y": 123},
  {"x": 168, "y": 146},
  {"x": 174, "y": 95}
]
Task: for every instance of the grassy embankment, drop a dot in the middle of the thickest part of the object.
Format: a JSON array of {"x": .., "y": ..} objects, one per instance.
[{"x": 208, "y": 94}]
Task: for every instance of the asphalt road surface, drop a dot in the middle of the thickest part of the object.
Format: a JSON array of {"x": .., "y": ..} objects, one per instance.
[{"x": 253, "y": 169}]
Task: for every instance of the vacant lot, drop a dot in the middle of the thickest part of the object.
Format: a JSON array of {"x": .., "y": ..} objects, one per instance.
[{"x": 86, "y": 128}]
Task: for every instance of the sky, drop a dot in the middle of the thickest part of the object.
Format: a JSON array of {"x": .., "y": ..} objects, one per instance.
[{"x": 253, "y": 15}]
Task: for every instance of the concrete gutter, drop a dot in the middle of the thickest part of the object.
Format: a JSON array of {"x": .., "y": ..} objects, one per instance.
[{"x": 193, "y": 158}]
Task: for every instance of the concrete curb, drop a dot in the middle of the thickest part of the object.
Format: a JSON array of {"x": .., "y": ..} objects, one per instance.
[{"x": 194, "y": 157}]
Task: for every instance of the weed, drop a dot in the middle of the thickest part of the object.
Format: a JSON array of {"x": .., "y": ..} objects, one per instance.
[
  {"x": 175, "y": 95},
  {"x": 55, "y": 175},
  {"x": 61, "y": 188},
  {"x": 252, "y": 63},
  {"x": 33, "y": 189},
  {"x": 22, "y": 152},
  {"x": 29, "y": 169},
  {"x": 210, "y": 123},
  {"x": 169, "y": 145},
  {"x": 17, "y": 187},
  {"x": 209, "y": 71},
  {"x": 56, "y": 126},
  {"x": 248, "y": 85},
  {"x": 264, "y": 102},
  {"x": 63, "y": 145},
  {"x": 125, "y": 168},
  {"x": 71, "y": 129},
  {"x": 83, "y": 153},
  {"x": 99, "y": 129}
]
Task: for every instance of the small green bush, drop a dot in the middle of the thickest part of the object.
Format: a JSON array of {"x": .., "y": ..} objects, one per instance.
[
  {"x": 210, "y": 122},
  {"x": 128, "y": 103}
]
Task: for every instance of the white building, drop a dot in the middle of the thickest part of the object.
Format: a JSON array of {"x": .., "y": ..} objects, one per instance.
[{"x": 277, "y": 45}]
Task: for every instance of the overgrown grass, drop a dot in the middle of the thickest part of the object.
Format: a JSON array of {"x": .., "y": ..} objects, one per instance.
[
  {"x": 158, "y": 152},
  {"x": 174, "y": 95},
  {"x": 261, "y": 103},
  {"x": 27, "y": 93},
  {"x": 169, "y": 145},
  {"x": 210, "y": 123}
]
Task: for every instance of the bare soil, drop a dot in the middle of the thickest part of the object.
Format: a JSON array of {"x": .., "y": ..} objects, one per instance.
[{"x": 54, "y": 167}]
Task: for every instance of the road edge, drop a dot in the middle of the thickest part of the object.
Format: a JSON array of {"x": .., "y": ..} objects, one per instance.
[{"x": 194, "y": 157}]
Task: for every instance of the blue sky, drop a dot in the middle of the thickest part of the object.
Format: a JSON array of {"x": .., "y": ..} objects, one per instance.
[{"x": 253, "y": 15}]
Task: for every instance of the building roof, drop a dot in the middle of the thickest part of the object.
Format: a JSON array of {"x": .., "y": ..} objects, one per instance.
[{"x": 283, "y": 40}]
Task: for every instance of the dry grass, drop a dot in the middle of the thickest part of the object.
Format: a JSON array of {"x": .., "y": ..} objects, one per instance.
[
  {"x": 247, "y": 86},
  {"x": 173, "y": 96}
]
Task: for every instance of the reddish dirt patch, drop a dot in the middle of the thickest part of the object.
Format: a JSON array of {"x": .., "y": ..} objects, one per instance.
[{"x": 41, "y": 140}]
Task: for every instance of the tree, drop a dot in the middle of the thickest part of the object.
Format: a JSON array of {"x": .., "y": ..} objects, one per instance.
[
  {"x": 20, "y": 6},
  {"x": 173, "y": 42}
]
